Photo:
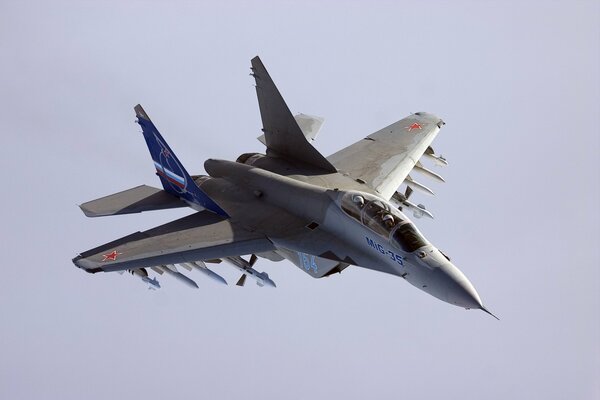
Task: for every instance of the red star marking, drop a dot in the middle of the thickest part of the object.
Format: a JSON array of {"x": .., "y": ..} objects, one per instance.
[
  {"x": 110, "y": 256},
  {"x": 414, "y": 126}
]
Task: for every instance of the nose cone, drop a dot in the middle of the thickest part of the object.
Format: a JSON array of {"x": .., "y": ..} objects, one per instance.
[
  {"x": 459, "y": 290},
  {"x": 448, "y": 283}
]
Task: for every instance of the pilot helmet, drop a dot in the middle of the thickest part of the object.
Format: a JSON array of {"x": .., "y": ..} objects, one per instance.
[
  {"x": 388, "y": 219},
  {"x": 358, "y": 199}
]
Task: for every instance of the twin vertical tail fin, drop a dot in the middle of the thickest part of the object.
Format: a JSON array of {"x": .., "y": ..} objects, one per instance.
[
  {"x": 173, "y": 176},
  {"x": 282, "y": 134}
]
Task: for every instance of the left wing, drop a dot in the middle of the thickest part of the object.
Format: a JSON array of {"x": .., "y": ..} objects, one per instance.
[
  {"x": 200, "y": 236},
  {"x": 384, "y": 159}
]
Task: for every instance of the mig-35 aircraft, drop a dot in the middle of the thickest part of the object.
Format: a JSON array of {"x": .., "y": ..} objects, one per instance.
[{"x": 321, "y": 213}]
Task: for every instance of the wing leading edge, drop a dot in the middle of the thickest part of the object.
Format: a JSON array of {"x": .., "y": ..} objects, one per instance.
[
  {"x": 384, "y": 159},
  {"x": 200, "y": 236}
]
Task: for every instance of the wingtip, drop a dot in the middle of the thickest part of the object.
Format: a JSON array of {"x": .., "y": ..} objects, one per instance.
[{"x": 86, "y": 211}]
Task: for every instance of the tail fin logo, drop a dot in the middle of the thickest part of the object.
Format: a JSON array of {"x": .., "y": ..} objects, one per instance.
[
  {"x": 173, "y": 176},
  {"x": 169, "y": 169}
]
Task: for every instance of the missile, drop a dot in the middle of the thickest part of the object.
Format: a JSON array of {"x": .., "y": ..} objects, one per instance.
[
  {"x": 417, "y": 186},
  {"x": 152, "y": 283},
  {"x": 245, "y": 267},
  {"x": 418, "y": 210},
  {"x": 143, "y": 275},
  {"x": 420, "y": 168},
  {"x": 439, "y": 160},
  {"x": 261, "y": 278},
  {"x": 172, "y": 270},
  {"x": 200, "y": 266},
  {"x": 401, "y": 200}
]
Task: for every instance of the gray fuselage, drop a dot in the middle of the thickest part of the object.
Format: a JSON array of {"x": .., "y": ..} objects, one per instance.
[{"x": 320, "y": 228}]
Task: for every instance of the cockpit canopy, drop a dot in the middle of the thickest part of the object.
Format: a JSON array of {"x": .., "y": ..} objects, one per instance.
[{"x": 383, "y": 219}]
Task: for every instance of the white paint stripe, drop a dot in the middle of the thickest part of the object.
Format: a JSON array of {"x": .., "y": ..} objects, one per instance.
[
  {"x": 173, "y": 175},
  {"x": 169, "y": 173}
]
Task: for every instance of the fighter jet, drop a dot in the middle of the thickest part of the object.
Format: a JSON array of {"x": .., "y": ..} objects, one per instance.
[{"x": 323, "y": 214}]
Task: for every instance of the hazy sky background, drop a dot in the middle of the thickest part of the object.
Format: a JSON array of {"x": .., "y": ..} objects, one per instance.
[{"x": 518, "y": 86}]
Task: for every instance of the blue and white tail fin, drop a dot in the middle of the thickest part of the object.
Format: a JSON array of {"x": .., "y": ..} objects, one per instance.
[{"x": 173, "y": 176}]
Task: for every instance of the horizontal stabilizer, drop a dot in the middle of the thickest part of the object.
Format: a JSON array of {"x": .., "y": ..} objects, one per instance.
[
  {"x": 309, "y": 124},
  {"x": 135, "y": 200}
]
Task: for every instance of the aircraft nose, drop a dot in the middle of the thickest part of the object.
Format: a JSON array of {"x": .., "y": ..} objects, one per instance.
[{"x": 460, "y": 290}]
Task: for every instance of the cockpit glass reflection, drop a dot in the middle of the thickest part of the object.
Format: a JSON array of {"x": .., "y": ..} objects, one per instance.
[
  {"x": 408, "y": 238},
  {"x": 377, "y": 217},
  {"x": 383, "y": 219}
]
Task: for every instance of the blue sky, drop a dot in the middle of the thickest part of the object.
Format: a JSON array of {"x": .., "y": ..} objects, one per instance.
[{"x": 518, "y": 86}]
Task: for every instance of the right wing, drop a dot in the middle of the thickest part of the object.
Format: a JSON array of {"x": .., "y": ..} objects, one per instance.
[
  {"x": 384, "y": 159},
  {"x": 200, "y": 236}
]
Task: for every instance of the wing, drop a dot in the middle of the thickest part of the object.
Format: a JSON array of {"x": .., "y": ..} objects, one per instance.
[
  {"x": 384, "y": 159},
  {"x": 200, "y": 236}
]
